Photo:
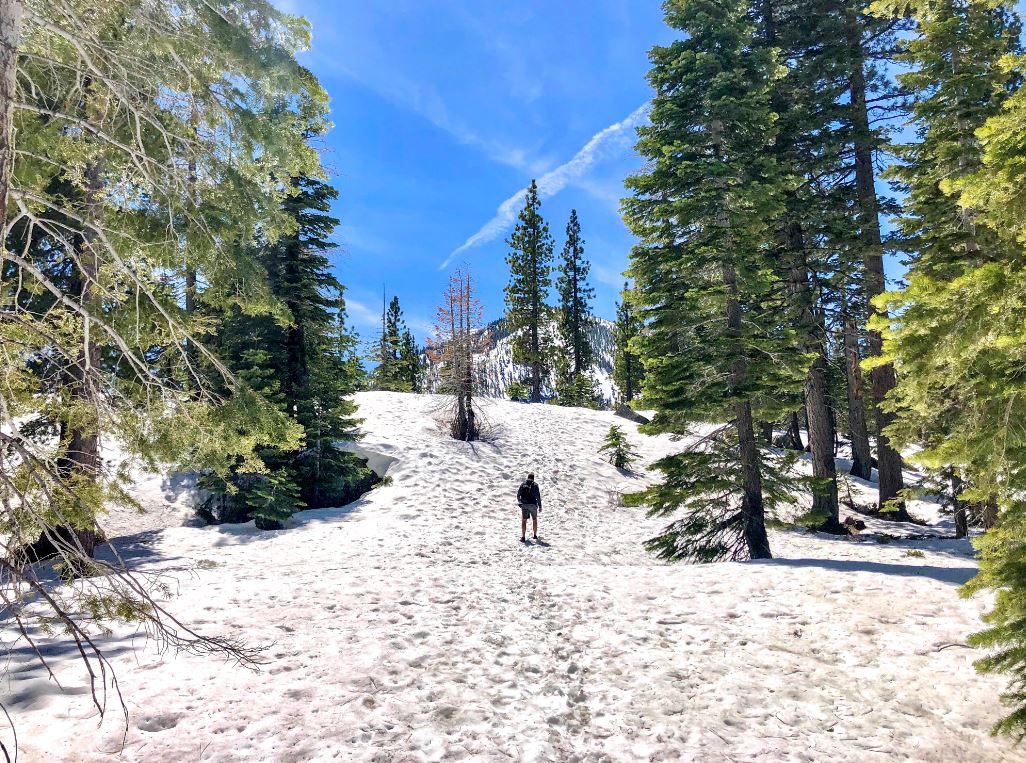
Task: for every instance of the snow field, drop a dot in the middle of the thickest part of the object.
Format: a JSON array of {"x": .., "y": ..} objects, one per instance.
[{"x": 413, "y": 626}]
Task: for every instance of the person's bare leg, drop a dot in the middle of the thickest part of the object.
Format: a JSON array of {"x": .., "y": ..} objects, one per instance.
[
  {"x": 523, "y": 529},
  {"x": 535, "y": 522}
]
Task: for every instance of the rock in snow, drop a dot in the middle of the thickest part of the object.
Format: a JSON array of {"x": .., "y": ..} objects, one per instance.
[{"x": 413, "y": 626}]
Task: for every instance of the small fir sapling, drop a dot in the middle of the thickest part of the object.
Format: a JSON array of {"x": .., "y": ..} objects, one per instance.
[{"x": 621, "y": 454}]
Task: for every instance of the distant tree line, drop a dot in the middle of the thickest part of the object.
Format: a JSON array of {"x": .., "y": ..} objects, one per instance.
[{"x": 567, "y": 350}]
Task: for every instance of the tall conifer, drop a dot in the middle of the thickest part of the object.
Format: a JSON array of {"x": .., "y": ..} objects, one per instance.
[
  {"x": 575, "y": 319},
  {"x": 957, "y": 335},
  {"x": 409, "y": 362},
  {"x": 527, "y": 314},
  {"x": 300, "y": 361},
  {"x": 393, "y": 372},
  {"x": 627, "y": 369},
  {"x": 805, "y": 98},
  {"x": 870, "y": 39},
  {"x": 716, "y": 347}
]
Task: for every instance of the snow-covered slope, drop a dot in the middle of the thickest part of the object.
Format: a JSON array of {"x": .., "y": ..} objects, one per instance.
[
  {"x": 496, "y": 370},
  {"x": 413, "y": 626}
]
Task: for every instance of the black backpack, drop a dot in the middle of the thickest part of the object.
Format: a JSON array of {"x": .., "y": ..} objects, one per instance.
[{"x": 526, "y": 493}]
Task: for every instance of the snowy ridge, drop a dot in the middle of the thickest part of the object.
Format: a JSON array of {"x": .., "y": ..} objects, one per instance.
[
  {"x": 496, "y": 370},
  {"x": 413, "y": 626}
]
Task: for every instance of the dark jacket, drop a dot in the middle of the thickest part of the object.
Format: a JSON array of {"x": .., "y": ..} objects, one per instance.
[{"x": 535, "y": 492}]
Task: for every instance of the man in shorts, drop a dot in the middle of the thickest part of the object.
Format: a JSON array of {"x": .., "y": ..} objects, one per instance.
[{"x": 529, "y": 498}]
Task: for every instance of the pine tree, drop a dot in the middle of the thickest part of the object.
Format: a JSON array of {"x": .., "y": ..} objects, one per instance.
[
  {"x": 958, "y": 334},
  {"x": 300, "y": 362},
  {"x": 574, "y": 387},
  {"x": 393, "y": 372},
  {"x": 958, "y": 266},
  {"x": 107, "y": 172},
  {"x": 716, "y": 345},
  {"x": 868, "y": 40},
  {"x": 1003, "y": 571},
  {"x": 519, "y": 392},
  {"x": 620, "y": 452},
  {"x": 410, "y": 364},
  {"x": 575, "y": 391},
  {"x": 527, "y": 314},
  {"x": 858, "y": 430},
  {"x": 628, "y": 371},
  {"x": 806, "y": 99}
]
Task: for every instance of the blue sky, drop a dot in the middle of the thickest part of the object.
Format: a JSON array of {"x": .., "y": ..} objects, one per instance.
[{"x": 445, "y": 109}]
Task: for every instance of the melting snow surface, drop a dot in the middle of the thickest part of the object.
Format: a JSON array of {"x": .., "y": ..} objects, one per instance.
[{"x": 414, "y": 626}]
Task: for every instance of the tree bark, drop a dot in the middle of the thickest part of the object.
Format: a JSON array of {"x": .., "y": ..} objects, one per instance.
[
  {"x": 752, "y": 509},
  {"x": 821, "y": 442},
  {"x": 817, "y": 398},
  {"x": 989, "y": 512},
  {"x": 535, "y": 361},
  {"x": 861, "y": 455},
  {"x": 883, "y": 380},
  {"x": 536, "y": 311},
  {"x": 10, "y": 35},
  {"x": 82, "y": 457},
  {"x": 961, "y": 509},
  {"x": 794, "y": 431}
]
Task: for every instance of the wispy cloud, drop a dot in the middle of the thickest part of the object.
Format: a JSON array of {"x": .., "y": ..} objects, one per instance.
[
  {"x": 371, "y": 62},
  {"x": 424, "y": 100},
  {"x": 361, "y": 314},
  {"x": 608, "y": 275},
  {"x": 368, "y": 319},
  {"x": 613, "y": 138},
  {"x": 421, "y": 327}
]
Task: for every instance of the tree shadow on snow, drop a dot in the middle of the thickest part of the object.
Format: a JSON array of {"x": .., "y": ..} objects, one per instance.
[
  {"x": 142, "y": 548},
  {"x": 177, "y": 484},
  {"x": 951, "y": 575},
  {"x": 238, "y": 534},
  {"x": 630, "y": 474}
]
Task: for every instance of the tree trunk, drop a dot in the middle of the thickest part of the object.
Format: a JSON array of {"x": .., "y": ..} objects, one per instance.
[
  {"x": 535, "y": 362},
  {"x": 82, "y": 457},
  {"x": 861, "y": 455},
  {"x": 882, "y": 377},
  {"x": 989, "y": 512},
  {"x": 10, "y": 35},
  {"x": 961, "y": 509},
  {"x": 752, "y": 510},
  {"x": 794, "y": 432},
  {"x": 535, "y": 328},
  {"x": 817, "y": 399},
  {"x": 821, "y": 442}
]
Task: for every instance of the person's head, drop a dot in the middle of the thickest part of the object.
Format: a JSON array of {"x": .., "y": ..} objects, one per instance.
[{"x": 530, "y": 477}]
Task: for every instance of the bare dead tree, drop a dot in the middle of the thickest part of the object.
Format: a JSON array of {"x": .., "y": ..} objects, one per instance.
[{"x": 457, "y": 340}]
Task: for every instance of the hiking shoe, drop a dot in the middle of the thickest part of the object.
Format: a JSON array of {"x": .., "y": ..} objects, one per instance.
[{"x": 523, "y": 540}]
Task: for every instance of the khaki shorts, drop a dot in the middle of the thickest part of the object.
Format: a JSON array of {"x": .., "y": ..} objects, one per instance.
[{"x": 529, "y": 511}]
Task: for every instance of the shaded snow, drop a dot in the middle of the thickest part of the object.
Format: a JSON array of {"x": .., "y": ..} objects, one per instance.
[{"x": 413, "y": 626}]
